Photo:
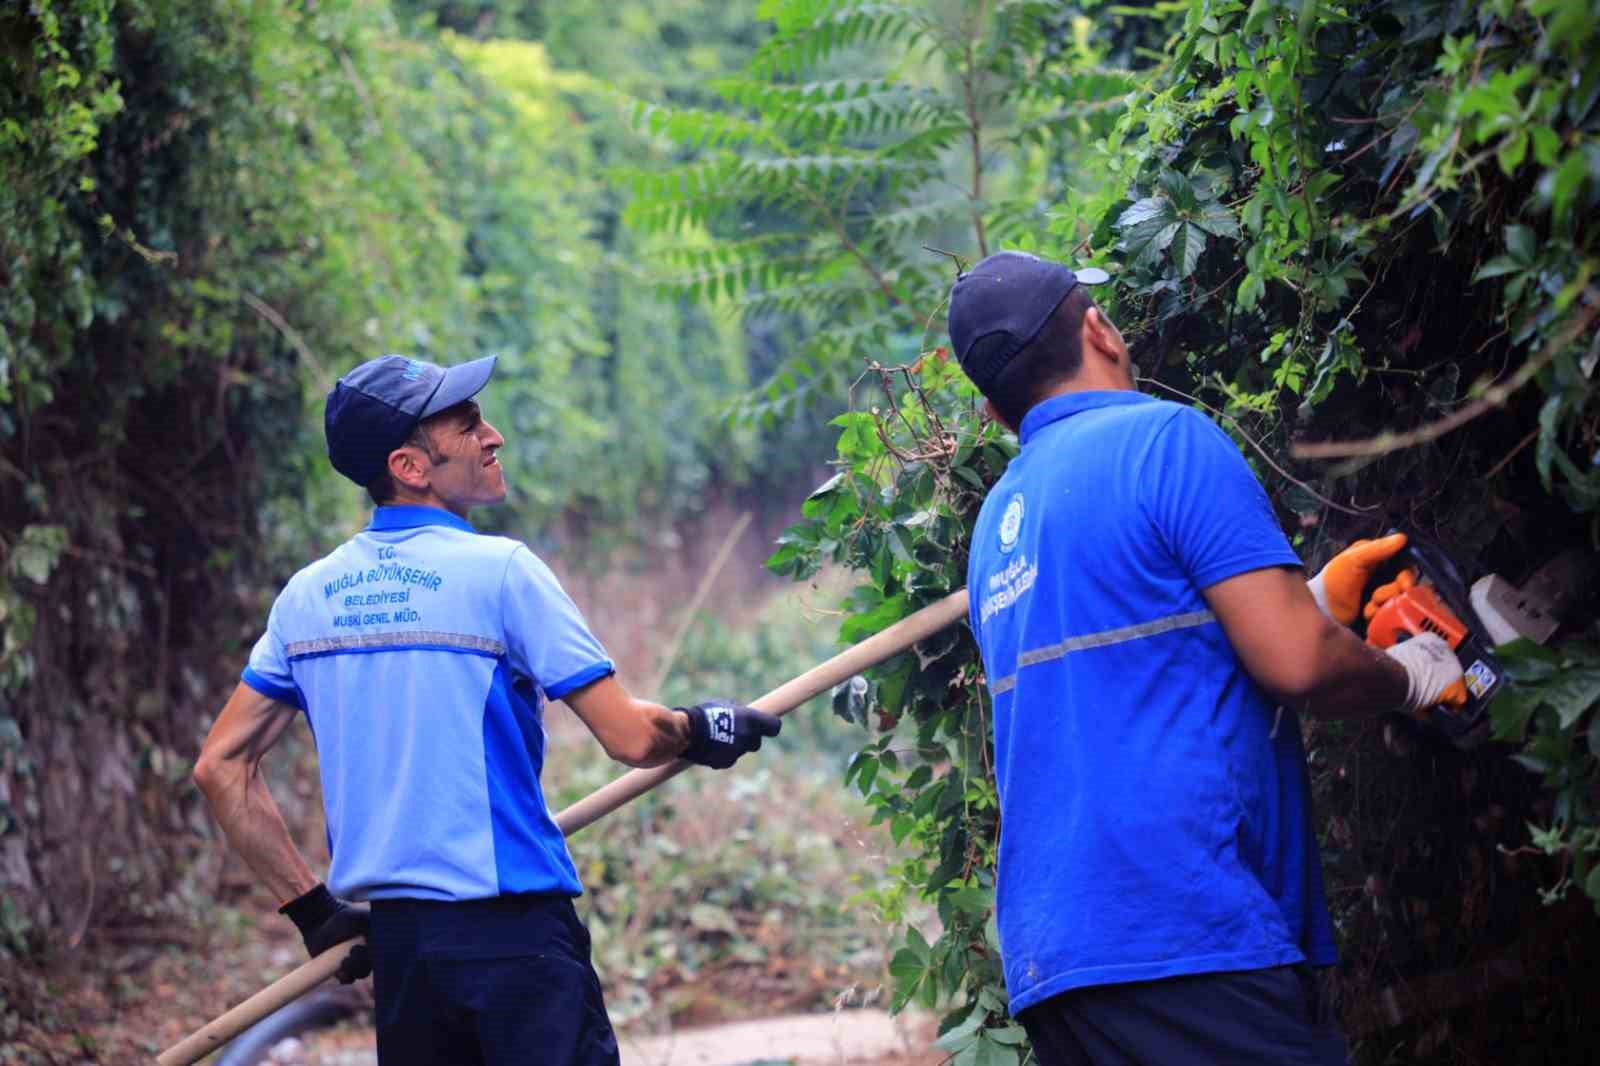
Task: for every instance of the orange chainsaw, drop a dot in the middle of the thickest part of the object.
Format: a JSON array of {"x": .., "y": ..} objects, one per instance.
[{"x": 1418, "y": 591}]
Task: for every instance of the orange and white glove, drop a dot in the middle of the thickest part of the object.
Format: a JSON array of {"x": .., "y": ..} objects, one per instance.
[
  {"x": 1433, "y": 673},
  {"x": 1405, "y": 579},
  {"x": 1338, "y": 588}
]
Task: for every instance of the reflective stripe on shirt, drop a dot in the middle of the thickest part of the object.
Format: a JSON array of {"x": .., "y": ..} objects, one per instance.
[
  {"x": 1100, "y": 640},
  {"x": 426, "y": 639}
]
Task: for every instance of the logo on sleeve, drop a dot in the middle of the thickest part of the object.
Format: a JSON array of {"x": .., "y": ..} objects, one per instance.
[{"x": 1011, "y": 523}]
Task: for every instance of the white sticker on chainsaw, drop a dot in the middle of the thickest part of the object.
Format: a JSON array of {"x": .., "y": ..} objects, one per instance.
[{"x": 1480, "y": 678}]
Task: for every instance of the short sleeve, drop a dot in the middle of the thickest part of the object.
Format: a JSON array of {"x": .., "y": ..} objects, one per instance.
[
  {"x": 268, "y": 669},
  {"x": 1206, "y": 504},
  {"x": 546, "y": 636}
]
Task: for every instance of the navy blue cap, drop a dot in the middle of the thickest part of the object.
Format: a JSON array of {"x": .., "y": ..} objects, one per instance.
[
  {"x": 1012, "y": 295},
  {"x": 373, "y": 409}
]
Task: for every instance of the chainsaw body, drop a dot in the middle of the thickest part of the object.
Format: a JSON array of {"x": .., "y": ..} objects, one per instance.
[{"x": 1438, "y": 602}]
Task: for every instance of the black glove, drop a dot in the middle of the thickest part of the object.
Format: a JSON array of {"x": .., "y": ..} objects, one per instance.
[
  {"x": 720, "y": 732},
  {"x": 324, "y": 921}
]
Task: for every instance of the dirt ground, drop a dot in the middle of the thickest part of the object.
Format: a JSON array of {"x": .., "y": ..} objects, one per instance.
[
  {"x": 149, "y": 987},
  {"x": 845, "y": 1038},
  {"x": 149, "y": 994}
]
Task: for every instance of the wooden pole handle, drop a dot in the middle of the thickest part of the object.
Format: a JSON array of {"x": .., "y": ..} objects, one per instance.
[
  {"x": 780, "y": 701},
  {"x": 291, "y": 986}
]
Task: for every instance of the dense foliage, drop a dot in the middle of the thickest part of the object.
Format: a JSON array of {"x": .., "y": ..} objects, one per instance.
[
  {"x": 1360, "y": 234},
  {"x": 1324, "y": 222},
  {"x": 208, "y": 212}
]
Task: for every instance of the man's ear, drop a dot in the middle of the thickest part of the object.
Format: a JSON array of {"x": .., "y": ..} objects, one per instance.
[
  {"x": 1101, "y": 336},
  {"x": 408, "y": 466}
]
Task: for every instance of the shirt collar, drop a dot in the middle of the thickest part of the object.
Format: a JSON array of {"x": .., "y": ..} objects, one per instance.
[
  {"x": 1070, "y": 403},
  {"x": 410, "y": 516}
]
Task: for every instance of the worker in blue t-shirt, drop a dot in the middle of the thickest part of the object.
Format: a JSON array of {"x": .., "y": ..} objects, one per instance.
[
  {"x": 421, "y": 653},
  {"x": 1149, "y": 638}
]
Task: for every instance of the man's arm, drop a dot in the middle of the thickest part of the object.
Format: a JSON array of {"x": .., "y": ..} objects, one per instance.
[
  {"x": 640, "y": 733},
  {"x": 633, "y": 731},
  {"x": 228, "y": 772},
  {"x": 1297, "y": 653}
]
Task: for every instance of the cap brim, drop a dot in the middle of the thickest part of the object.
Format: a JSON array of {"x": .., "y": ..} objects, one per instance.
[{"x": 460, "y": 383}]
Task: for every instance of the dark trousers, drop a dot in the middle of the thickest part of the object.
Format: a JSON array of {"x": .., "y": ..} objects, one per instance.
[
  {"x": 496, "y": 982},
  {"x": 1270, "y": 1017}
]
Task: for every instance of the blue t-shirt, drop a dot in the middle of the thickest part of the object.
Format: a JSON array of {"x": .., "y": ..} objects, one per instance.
[
  {"x": 1155, "y": 819},
  {"x": 422, "y": 653}
]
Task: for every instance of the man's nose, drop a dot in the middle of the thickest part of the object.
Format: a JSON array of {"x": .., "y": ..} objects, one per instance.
[{"x": 492, "y": 437}]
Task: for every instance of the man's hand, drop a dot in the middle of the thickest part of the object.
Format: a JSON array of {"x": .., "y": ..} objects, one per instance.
[
  {"x": 1404, "y": 581},
  {"x": 1433, "y": 673},
  {"x": 720, "y": 732},
  {"x": 325, "y": 921},
  {"x": 1338, "y": 588}
]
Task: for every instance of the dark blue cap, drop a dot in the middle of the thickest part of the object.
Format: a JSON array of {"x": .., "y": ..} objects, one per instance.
[
  {"x": 373, "y": 409},
  {"x": 1008, "y": 297}
]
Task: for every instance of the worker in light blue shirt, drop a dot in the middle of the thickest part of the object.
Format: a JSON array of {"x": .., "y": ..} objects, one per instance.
[
  {"x": 1149, "y": 638},
  {"x": 421, "y": 652}
]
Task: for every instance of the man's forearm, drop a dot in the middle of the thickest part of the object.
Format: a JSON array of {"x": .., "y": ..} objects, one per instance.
[
  {"x": 251, "y": 821},
  {"x": 667, "y": 737},
  {"x": 633, "y": 731},
  {"x": 1356, "y": 680}
]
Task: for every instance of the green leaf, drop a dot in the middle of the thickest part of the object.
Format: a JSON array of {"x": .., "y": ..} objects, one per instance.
[
  {"x": 1546, "y": 145},
  {"x": 866, "y": 773},
  {"x": 1218, "y": 221},
  {"x": 907, "y": 966},
  {"x": 1510, "y": 712},
  {"x": 38, "y": 551},
  {"x": 900, "y": 825},
  {"x": 1531, "y": 762},
  {"x": 1260, "y": 11},
  {"x": 1573, "y": 693},
  {"x": 1179, "y": 188},
  {"x": 827, "y": 486},
  {"x": 1567, "y": 180},
  {"x": 1153, "y": 207},
  {"x": 1187, "y": 245},
  {"x": 1512, "y": 151},
  {"x": 993, "y": 1054},
  {"x": 1526, "y": 661},
  {"x": 860, "y": 626},
  {"x": 1498, "y": 266},
  {"x": 1251, "y": 289},
  {"x": 972, "y": 899},
  {"x": 1521, "y": 244},
  {"x": 963, "y": 1035}
]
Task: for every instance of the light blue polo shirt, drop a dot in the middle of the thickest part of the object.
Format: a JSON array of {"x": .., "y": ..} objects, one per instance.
[
  {"x": 422, "y": 653},
  {"x": 1155, "y": 818}
]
